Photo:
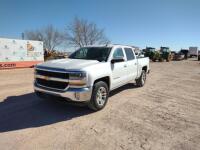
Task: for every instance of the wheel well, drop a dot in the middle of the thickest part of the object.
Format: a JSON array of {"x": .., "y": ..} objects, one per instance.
[
  {"x": 104, "y": 79},
  {"x": 144, "y": 68}
]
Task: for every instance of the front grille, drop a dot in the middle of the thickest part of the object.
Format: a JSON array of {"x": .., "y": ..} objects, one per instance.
[
  {"x": 61, "y": 75},
  {"x": 52, "y": 84}
]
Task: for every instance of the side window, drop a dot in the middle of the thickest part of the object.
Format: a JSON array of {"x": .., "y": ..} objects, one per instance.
[
  {"x": 118, "y": 53},
  {"x": 129, "y": 54}
]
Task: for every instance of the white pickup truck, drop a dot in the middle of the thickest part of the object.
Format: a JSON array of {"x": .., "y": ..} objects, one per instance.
[{"x": 90, "y": 73}]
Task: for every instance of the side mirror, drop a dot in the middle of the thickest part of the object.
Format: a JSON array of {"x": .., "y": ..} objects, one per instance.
[{"x": 116, "y": 60}]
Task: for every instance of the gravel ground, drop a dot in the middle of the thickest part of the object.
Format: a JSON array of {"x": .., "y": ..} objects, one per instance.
[{"x": 162, "y": 115}]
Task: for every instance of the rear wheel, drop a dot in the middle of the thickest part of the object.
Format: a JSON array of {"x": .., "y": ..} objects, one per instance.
[
  {"x": 141, "y": 81},
  {"x": 169, "y": 58},
  {"x": 161, "y": 59},
  {"x": 154, "y": 60},
  {"x": 99, "y": 96}
]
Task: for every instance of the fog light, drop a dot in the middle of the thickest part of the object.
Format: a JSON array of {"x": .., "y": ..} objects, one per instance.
[{"x": 77, "y": 95}]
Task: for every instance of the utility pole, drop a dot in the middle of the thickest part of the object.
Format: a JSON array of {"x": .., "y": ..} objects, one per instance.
[{"x": 22, "y": 36}]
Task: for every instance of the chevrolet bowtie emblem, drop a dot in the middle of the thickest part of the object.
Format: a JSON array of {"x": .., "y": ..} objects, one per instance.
[{"x": 46, "y": 77}]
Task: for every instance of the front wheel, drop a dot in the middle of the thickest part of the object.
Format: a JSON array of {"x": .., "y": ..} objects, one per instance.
[
  {"x": 99, "y": 96},
  {"x": 141, "y": 81},
  {"x": 161, "y": 59}
]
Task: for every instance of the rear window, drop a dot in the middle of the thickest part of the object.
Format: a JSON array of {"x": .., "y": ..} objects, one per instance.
[{"x": 129, "y": 54}]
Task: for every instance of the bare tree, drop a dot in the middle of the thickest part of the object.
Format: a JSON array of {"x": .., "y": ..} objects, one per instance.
[
  {"x": 51, "y": 37},
  {"x": 82, "y": 33}
]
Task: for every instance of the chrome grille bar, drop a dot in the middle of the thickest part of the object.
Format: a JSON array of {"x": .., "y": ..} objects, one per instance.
[{"x": 51, "y": 78}]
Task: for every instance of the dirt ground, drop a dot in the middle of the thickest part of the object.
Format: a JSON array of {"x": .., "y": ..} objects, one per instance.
[{"x": 162, "y": 115}]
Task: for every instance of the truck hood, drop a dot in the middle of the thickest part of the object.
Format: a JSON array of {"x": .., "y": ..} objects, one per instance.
[{"x": 71, "y": 64}]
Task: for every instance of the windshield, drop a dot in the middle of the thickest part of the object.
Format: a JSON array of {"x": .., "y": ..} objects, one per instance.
[
  {"x": 152, "y": 49},
  {"x": 92, "y": 53},
  {"x": 165, "y": 49}
]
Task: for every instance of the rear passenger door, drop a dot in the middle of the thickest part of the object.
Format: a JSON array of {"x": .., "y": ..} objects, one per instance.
[{"x": 131, "y": 64}]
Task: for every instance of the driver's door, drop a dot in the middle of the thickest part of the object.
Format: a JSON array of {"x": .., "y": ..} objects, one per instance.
[{"x": 119, "y": 69}]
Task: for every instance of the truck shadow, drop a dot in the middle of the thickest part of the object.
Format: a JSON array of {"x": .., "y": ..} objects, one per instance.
[
  {"x": 28, "y": 111},
  {"x": 120, "y": 89}
]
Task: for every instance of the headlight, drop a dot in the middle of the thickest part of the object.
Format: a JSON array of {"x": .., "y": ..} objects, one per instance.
[
  {"x": 77, "y": 75},
  {"x": 77, "y": 78}
]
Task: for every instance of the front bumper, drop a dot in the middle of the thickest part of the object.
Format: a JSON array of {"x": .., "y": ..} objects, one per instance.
[{"x": 73, "y": 94}]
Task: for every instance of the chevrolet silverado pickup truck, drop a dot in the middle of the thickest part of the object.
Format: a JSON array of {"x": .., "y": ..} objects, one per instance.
[{"x": 90, "y": 73}]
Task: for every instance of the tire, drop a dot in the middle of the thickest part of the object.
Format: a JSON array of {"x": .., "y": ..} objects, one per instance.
[
  {"x": 141, "y": 81},
  {"x": 161, "y": 59},
  {"x": 168, "y": 59},
  {"x": 99, "y": 96}
]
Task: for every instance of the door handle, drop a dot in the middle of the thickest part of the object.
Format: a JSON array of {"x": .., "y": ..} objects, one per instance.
[{"x": 125, "y": 66}]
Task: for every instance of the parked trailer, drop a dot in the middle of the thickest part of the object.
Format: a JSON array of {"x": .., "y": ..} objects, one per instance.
[
  {"x": 20, "y": 53},
  {"x": 193, "y": 51}
]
